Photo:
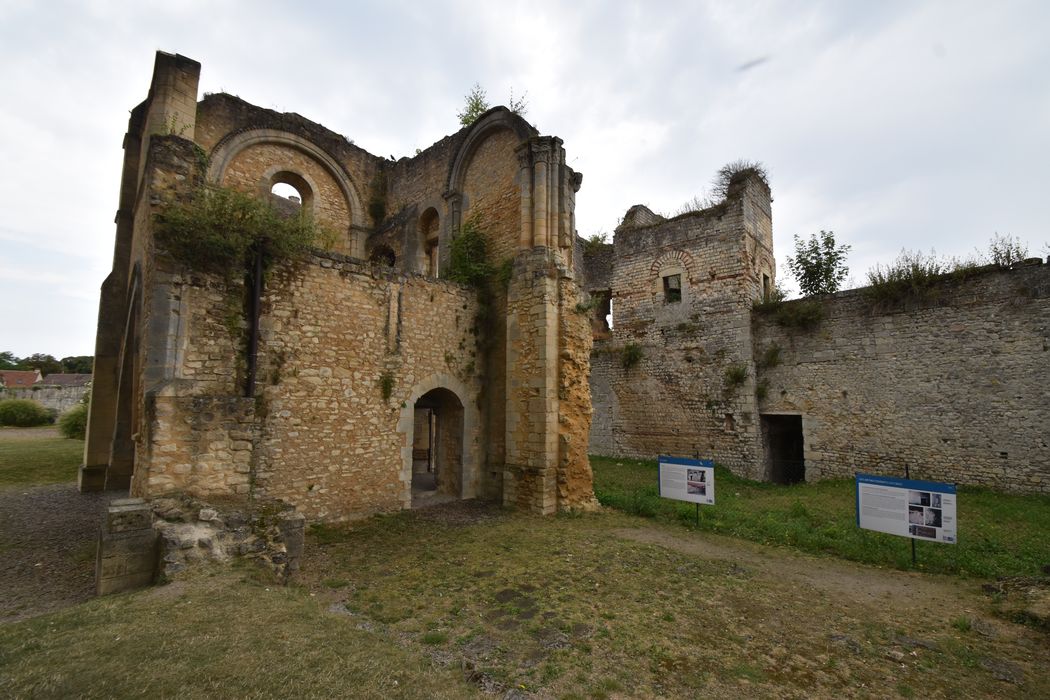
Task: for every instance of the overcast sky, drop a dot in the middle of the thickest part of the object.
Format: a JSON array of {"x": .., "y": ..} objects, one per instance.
[{"x": 895, "y": 124}]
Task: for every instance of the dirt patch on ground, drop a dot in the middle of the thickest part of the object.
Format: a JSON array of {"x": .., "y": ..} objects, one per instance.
[
  {"x": 40, "y": 433},
  {"x": 857, "y": 584},
  {"x": 47, "y": 540}
]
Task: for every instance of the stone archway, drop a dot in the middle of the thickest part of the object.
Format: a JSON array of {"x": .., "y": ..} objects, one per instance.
[
  {"x": 437, "y": 446},
  {"x": 443, "y": 462}
]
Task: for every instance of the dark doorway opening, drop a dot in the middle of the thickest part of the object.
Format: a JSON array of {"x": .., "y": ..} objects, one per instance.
[
  {"x": 437, "y": 446},
  {"x": 785, "y": 449}
]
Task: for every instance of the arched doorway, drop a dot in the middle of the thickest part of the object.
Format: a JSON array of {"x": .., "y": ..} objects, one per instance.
[{"x": 437, "y": 447}]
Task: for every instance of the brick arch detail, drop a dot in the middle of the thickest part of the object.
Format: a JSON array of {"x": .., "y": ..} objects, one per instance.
[{"x": 674, "y": 257}]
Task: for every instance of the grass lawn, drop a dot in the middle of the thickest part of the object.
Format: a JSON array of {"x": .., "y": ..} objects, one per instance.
[
  {"x": 36, "y": 456},
  {"x": 999, "y": 534},
  {"x": 420, "y": 604}
]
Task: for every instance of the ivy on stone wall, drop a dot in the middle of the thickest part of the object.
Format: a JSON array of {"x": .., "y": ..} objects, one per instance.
[{"x": 468, "y": 256}]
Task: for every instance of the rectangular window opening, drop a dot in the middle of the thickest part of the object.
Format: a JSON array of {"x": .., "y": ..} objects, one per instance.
[{"x": 672, "y": 289}]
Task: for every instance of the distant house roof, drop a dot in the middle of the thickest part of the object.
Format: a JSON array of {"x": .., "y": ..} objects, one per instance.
[
  {"x": 67, "y": 379},
  {"x": 14, "y": 378}
]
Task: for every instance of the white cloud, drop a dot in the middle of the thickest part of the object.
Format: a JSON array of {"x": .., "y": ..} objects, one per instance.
[{"x": 895, "y": 124}]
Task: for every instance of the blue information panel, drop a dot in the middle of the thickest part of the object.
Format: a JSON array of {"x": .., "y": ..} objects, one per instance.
[
  {"x": 923, "y": 510},
  {"x": 685, "y": 479}
]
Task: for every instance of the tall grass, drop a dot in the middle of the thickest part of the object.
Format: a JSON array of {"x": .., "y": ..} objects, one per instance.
[{"x": 999, "y": 535}]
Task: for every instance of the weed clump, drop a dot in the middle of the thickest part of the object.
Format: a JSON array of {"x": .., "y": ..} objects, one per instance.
[
  {"x": 632, "y": 354},
  {"x": 217, "y": 228}
]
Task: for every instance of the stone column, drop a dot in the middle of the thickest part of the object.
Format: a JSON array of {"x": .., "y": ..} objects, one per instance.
[
  {"x": 530, "y": 480},
  {"x": 524, "y": 152},
  {"x": 540, "y": 209}
]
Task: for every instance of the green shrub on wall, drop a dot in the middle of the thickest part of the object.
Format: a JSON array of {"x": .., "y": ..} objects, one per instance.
[
  {"x": 217, "y": 228},
  {"x": 24, "y": 413},
  {"x": 632, "y": 355},
  {"x": 468, "y": 256}
]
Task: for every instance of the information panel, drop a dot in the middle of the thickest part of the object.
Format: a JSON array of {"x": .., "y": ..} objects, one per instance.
[
  {"x": 686, "y": 479},
  {"x": 922, "y": 510}
]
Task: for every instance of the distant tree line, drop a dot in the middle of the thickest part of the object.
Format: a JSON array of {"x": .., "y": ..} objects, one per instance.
[{"x": 47, "y": 364}]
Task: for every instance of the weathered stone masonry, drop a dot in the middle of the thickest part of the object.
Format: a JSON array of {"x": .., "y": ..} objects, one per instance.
[
  {"x": 954, "y": 389},
  {"x": 353, "y": 341}
]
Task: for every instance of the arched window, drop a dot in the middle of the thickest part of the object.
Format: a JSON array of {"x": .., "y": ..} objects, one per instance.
[{"x": 290, "y": 192}]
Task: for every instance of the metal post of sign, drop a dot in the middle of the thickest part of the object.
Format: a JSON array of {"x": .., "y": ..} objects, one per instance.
[
  {"x": 907, "y": 475},
  {"x": 698, "y": 515}
]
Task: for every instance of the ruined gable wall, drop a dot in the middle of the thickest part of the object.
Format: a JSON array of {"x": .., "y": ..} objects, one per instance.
[
  {"x": 677, "y": 399},
  {"x": 220, "y": 115},
  {"x": 957, "y": 391}
]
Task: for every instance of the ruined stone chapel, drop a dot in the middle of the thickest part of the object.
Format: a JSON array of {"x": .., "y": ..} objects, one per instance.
[{"x": 359, "y": 379}]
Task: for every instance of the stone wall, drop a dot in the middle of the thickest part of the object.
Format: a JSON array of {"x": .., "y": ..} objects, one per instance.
[
  {"x": 678, "y": 396},
  {"x": 59, "y": 398},
  {"x": 319, "y": 434},
  {"x": 956, "y": 390}
]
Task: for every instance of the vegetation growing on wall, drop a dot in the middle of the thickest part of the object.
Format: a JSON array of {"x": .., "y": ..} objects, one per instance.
[
  {"x": 804, "y": 314},
  {"x": 594, "y": 242},
  {"x": 819, "y": 265},
  {"x": 468, "y": 255},
  {"x": 476, "y": 103},
  {"x": 217, "y": 229},
  {"x": 736, "y": 374},
  {"x": 728, "y": 175},
  {"x": 386, "y": 384},
  {"x": 770, "y": 356},
  {"x": 632, "y": 354},
  {"x": 919, "y": 277}
]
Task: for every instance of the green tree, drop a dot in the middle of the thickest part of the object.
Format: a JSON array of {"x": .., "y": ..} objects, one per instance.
[
  {"x": 47, "y": 364},
  {"x": 78, "y": 364},
  {"x": 474, "y": 105},
  {"x": 9, "y": 361},
  {"x": 818, "y": 264}
]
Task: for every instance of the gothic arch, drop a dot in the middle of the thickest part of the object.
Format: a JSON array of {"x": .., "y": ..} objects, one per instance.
[{"x": 487, "y": 124}]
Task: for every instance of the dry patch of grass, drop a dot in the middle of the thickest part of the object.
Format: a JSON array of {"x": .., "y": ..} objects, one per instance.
[
  {"x": 570, "y": 607},
  {"x": 464, "y": 600},
  {"x": 218, "y": 634}
]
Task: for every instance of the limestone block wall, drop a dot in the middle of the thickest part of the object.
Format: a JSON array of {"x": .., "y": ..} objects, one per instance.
[
  {"x": 491, "y": 192},
  {"x": 60, "y": 398},
  {"x": 319, "y": 433},
  {"x": 956, "y": 390},
  {"x": 332, "y": 444},
  {"x": 680, "y": 396}
]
